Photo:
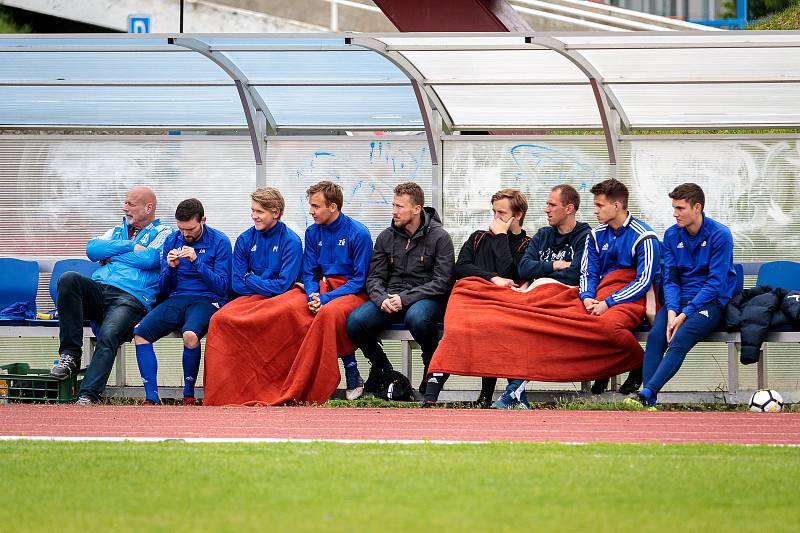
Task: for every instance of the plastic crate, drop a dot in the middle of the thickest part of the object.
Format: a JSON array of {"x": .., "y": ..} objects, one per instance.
[{"x": 21, "y": 383}]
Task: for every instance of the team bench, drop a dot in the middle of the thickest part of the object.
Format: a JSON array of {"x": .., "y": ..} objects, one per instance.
[{"x": 397, "y": 332}]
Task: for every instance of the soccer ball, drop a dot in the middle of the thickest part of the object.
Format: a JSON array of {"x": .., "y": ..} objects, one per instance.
[{"x": 766, "y": 401}]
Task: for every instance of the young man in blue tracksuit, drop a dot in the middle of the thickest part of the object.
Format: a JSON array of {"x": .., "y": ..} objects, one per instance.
[
  {"x": 116, "y": 297},
  {"x": 195, "y": 275},
  {"x": 335, "y": 245},
  {"x": 267, "y": 257},
  {"x": 699, "y": 280},
  {"x": 619, "y": 241}
]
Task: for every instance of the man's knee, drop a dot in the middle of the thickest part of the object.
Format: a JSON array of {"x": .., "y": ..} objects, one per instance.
[
  {"x": 69, "y": 281},
  {"x": 138, "y": 339},
  {"x": 419, "y": 318},
  {"x": 357, "y": 320},
  {"x": 190, "y": 339}
]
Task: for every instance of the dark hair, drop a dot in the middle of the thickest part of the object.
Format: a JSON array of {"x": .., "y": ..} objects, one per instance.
[
  {"x": 517, "y": 201},
  {"x": 568, "y": 195},
  {"x": 412, "y": 190},
  {"x": 189, "y": 209},
  {"x": 691, "y": 192},
  {"x": 614, "y": 190},
  {"x": 330, "y": 191}
]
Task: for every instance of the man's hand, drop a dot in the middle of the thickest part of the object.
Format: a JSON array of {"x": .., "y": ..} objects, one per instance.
[
  {"x": 673, "y": 323},
  {"x": 561, "y": 265},
  {"x": 173, "y": 258},
  {"x": 188, "y": 252},
  {"x": 503, "y": 282},
  {"x": 392, "y": 304},
  {"x": 138, "y": 248},
  {"x": 314, "y": 304},
  {"x": 589, "y": 304},
  {"x": 499, "y": 225},
  {"x": 600, "y": 308}
]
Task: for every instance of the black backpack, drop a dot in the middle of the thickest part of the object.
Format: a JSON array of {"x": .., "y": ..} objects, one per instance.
[{"x": 396, "y": 387}]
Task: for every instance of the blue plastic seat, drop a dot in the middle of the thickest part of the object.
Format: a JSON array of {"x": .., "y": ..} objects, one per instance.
[
  {"x": 81, "y": 266},
  {"x": 780, "y": 274},
  {"x": 19, "y": 281},
  {"x": 739, "y": 268}
]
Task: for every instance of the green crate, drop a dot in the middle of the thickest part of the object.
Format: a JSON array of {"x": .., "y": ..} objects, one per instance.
[{"x": 26, "y": 384}]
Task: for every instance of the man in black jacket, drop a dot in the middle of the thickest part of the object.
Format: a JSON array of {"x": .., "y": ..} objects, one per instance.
[
  {"x": 492, "y": 255},
  {"x": 410, "y": 276}
]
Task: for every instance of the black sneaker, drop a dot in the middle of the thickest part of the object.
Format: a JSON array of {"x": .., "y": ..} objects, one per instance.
[
  {"x": 375, "y": 380},
  {"x": 66, "y": 366},
  {"x": 632, "y": 382},
  {"x": 599, "y": 386}
]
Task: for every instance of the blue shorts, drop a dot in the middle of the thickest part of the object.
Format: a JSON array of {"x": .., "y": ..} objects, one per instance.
[{"x": 183, "y": 313}]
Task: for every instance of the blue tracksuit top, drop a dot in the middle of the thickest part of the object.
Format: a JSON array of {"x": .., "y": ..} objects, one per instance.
[
  {"x": 135, "y": 272},
  {"x": 698, "y": 269},
  {"x": 266, "y": 262},
  {"x": 341, "y": 248},
  {"x": 633, "y": 245},
  {"x": 208, "y": 275}
]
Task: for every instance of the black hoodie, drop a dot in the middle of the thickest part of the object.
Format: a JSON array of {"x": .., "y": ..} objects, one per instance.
[{"x": 416, "y": 267}]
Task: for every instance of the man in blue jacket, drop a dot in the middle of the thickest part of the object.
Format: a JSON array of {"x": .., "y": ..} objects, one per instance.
[
  {"x": 195, "y": 275},
  {"x": 268, "y": 256},
  {"x": 116, "y": 297},
  {"x": 699, "y": 280},
  {"x": 619, "y": 241}
]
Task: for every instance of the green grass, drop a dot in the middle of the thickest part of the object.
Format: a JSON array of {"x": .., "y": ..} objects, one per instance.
[
  {"x": 339, "y": 487},
  {"x": 788, "y": 19}
]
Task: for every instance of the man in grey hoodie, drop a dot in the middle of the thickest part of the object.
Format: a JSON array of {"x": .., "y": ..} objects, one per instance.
[{"x": 410, "y": 277}]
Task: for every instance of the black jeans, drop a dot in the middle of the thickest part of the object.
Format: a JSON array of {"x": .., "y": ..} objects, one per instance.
[{"x": 114, "y": 310}]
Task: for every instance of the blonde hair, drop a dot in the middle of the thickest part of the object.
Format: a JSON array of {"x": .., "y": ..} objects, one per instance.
[
  {"x": 269, "y": 198},
  {"x": 517, "y": 200}
]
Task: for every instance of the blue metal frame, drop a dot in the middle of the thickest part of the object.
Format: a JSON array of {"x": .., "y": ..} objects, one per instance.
[{"x": 739, "y": 22}]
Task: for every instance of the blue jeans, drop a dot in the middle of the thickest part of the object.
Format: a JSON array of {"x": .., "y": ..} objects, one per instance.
[
  {"x": 116, "y": 311},
  {"x": 662, "y": 361},
  {"x": 421, "y": 318}
]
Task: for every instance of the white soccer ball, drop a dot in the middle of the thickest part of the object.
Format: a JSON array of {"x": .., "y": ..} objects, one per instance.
[{"x": 766, "y": 401}]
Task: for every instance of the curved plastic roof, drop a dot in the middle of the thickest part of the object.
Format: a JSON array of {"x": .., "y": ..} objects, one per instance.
[{"x": 360, "y": 81}]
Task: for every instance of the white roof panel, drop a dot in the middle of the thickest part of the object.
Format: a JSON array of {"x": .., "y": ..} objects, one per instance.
[
  {"x": 514, "y": 106},
  {"x": 494, "y": 65},
  {"x": 748, "y": 105}
]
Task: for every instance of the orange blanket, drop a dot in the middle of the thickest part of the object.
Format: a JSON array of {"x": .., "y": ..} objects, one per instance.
[
  {"x": 544, "y": 335},
  {"x": 271, "y": 351}
]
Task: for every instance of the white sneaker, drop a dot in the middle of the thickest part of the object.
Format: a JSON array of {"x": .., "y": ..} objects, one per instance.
[{"x": 356, "y": 392}]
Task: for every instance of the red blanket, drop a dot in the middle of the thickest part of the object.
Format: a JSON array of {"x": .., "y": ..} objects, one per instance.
[
  {"x": 544, "y": 335},
  {"x": 271, "y": 351}
]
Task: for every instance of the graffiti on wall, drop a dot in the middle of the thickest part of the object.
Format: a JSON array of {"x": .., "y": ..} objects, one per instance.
[
  {"x": 367, "y": 171},
  {"x": 475, "y": 171}
]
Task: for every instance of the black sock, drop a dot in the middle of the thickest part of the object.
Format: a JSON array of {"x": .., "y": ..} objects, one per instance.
[
  {"x": 433, "y": 385},
  {"x": 488, "y": 386}
]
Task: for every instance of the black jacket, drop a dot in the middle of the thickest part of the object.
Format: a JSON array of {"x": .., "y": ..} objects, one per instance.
[
  {"x": 487, "y": 255},
  {"x": 547, "y": 246},
  {"x": 416, "y": 267},
  {"x": 755, "y": 311}
]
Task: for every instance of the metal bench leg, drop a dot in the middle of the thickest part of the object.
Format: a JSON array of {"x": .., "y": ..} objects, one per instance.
[
  {"x": 586, "y": 386},
  {"x": 762, "y": 369},
  {"x": 406, "y": 361},
  {"x": 120, "y": 360},
  {"x": 733, "y": 367}
]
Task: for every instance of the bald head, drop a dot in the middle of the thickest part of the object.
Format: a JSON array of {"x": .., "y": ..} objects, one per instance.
[{"x": 140, "y": 206}]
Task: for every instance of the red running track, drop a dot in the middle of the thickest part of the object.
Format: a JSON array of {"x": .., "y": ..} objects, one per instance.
[{"x": 406, "y": 425}]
